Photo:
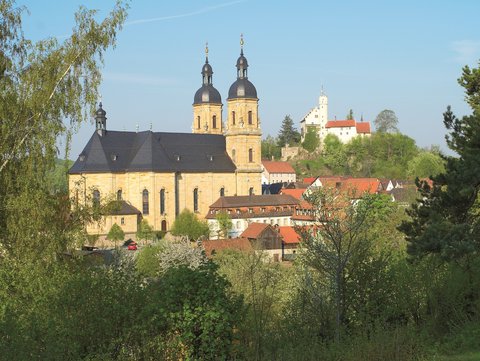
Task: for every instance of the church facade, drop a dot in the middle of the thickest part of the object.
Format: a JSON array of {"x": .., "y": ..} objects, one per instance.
[{"x": 155, "y": 175}]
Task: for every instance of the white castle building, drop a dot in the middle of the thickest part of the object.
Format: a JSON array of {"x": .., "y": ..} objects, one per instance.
[{"x": 345, "y": 130}]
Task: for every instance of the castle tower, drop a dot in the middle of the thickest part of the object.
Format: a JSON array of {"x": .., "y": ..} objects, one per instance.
[
  {"x": 207, "y": 104},
  {"x": 243, "y": 133}
]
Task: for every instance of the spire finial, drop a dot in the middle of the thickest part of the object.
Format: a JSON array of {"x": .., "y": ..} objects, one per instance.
[
  {"x": 206, "y": 52},
  {"x": 241, "y": 42}
]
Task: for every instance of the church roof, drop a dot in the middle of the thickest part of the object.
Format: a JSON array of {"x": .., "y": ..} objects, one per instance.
[{"x": 153, "y": 151}]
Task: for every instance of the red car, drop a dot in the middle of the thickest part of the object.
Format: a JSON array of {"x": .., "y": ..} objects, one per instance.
[{"x": 132, "y": 246}]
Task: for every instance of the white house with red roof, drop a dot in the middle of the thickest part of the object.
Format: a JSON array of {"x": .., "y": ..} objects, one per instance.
[
  {"x": 345, "y": 130},
  {"x": 277, "y": 172}
]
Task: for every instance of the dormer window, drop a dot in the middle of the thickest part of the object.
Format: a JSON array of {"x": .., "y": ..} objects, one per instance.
[
  {"x": 177, "y": 157},
  {"x": 114, "y": 157},
  {"x": 81, "y": 157}
]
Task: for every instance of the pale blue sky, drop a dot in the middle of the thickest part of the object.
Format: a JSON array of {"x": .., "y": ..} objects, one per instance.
[{"x": 368, "y": 55}]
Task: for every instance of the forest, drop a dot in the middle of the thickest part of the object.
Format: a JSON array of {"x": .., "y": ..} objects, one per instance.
[{"x": 374, "y": 281}]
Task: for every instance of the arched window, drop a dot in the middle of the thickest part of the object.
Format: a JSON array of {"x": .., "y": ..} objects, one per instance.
[
  {"x": 250, "y": 155},
  {"x": 96, "y": 197},
  {"x": 222, "y": 192},
  {"x": 234, "y": 156},
  {"x": 214, "y": 122},
  {"x": 195, "y": 200},
  {"x": 145, "y": 201},
  {"x": 162, "y": 201},
  {"x": 119, "y": 195},
  {"x": 164, "y": 225},
  {"x": 233, "y": 117},
  {"x": 198, "y": 122},
  {"x": 250, "y": 118},
  {"x": 250, "y": 191}
]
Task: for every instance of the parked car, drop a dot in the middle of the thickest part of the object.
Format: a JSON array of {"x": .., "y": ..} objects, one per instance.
[{"x": 132, "y": 246}]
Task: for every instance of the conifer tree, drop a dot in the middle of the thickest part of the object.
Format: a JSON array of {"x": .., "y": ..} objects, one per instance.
[{"x": 288, "y": 134}]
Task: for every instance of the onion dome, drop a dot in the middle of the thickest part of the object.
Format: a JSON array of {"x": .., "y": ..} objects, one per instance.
[
  {"x": 242, "y": 87},
  {"x": 207, "y": 93}
]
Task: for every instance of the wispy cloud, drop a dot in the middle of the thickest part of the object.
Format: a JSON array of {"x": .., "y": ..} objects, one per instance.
[
  {"x": 135, "y": 78},
  {"x": 466, "y": 51},
  {"x": 192, "y": 13}
]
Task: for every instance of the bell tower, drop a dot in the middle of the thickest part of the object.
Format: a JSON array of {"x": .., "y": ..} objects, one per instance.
[
  {"x": 207, "y": 104},
  {"x": 243, "y": 133}
]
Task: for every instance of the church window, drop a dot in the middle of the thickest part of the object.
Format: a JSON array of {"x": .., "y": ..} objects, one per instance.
[
  {"x": 122, "y": 221},
  {"x": 234, "y": 155},
  {"x": 250, "y": 118},
  {"x": 119, "y": 195},
  {"x": 162, "y": 201},
  {"x": 195, "y": 200},
  {"x": 96, "y": 198},
  {"x": 198, "y": 122},
  {"x": 250, "y": 191},
  {"x": 233, "y": 117},
  {"x": 222, "y": 192},
  {"x": 214, "y": 122},
  {"x": 145, "y": 201},
  {"x": 250, "y": 155},
  {"x": 164, "y": 225}
]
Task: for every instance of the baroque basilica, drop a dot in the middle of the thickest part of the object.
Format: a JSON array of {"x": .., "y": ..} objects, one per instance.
[{"x": 155, "y": 175}]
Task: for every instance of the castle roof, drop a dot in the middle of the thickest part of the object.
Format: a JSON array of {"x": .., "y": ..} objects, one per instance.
[
  {"x": 340, "y": 123},
  {"x": 153, "y": 151},
  {"x": 363, "y": 127}
]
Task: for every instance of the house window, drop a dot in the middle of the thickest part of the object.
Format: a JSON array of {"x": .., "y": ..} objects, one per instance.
[
  {"x": 250, "y": 155},
  {"x": 222, "y": 192},
  {"x": 162, "y": 201},
  {"x": 195, "y": 200},
  {"x": 250, "y": 210},
  {"x": 96, "y": 198},
  {"x": 214, "y": 122},
  {"x": 250, "y": 191},
  {"x": 250, "y": 118},
  {"x": 233, "y": 118},
  {"x": 239, "y": 224},
  {"x": 263, "y": 210},
  {"x": 145, "y": 201},
  {"x": 238, "y": 211},
  {"x": 198, "y": 122},
  {"x": 119, "y": 195},
  {"x": 122, "y": 221}
]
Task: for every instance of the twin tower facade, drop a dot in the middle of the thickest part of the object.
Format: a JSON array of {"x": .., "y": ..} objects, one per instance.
[{"x": 242, "y": 127}]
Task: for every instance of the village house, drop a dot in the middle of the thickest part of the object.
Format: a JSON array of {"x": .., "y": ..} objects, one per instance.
[{"x": 277, "y": 172}]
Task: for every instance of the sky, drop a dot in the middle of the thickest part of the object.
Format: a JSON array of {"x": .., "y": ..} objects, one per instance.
[{"x": 367, "y": 55}]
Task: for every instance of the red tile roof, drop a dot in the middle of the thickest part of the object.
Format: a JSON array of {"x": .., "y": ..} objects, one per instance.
[
  {"x": 277, "y": 167},
  {"x": 289, "y": 235},
  {"x": 254, "y": 230},
  {"x": 239, "y": 244},
  {"x": 340, "y": 123},
  {"x": 359, "y": 186},
  {"x": 363, "y": 127},
  {"x": 309, "y": 180},
  {"x": 296, "y": 193}
]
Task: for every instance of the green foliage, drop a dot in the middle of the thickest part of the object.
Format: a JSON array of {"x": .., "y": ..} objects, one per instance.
[
  {"x": 187, "y": 224},
  {"x": 57, "y": 177},
  {"x": 288, "y": 134},
  {"x": 334, "y": 155},
  {"x": 445, "y": 221},
  {"x": 145, "y": 231},
  {"x": 147, "y": 261},
  {"x": 224, "y": 223},
  {"x": 386, "y": 122},
  {"x": 311, "y": 141},
  {"x": 115, "y": 234},
  {"x": 425, "y": 164},
  {"x": 270, "y": 148}
]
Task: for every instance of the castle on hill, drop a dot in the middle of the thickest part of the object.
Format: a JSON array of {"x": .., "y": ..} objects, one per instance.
[
  {"x": 155, "y": 175},
  {"x": 345, "y": 130}
]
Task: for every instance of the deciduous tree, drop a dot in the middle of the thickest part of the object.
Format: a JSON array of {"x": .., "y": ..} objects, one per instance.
[
  {"x": 187, "y": 224},
  {"x": 115, "y": 234},
  {"x": 386, "y": 121}
]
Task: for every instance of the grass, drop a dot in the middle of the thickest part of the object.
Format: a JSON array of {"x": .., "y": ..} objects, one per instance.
[{"x": 468, "y": 356}]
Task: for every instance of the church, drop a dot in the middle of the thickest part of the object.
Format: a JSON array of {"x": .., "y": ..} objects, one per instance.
[{"x": 155, "y": 175}]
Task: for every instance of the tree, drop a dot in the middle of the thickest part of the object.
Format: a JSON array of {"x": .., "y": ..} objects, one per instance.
[
  {"x": 288, "y": 134},
  {"x": 341, "y": 235},
  {"x": 115, "y": 234},
  {"x": 425, "y": 164},
  {"x": 224, "y": 224},
  {"x": 445, "y": 220},
  {"x": 145, "y": 231},
  {"x": 187, "y": 224},
  {"x": 270, "y": 148},
  {"x": 311, "y": 141},
  {"x": 334, "y": 154},
  {"x": 386, "y": 122},
  {"x": 42, "y": 84},
  {"x": 350, "y": 115}
]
